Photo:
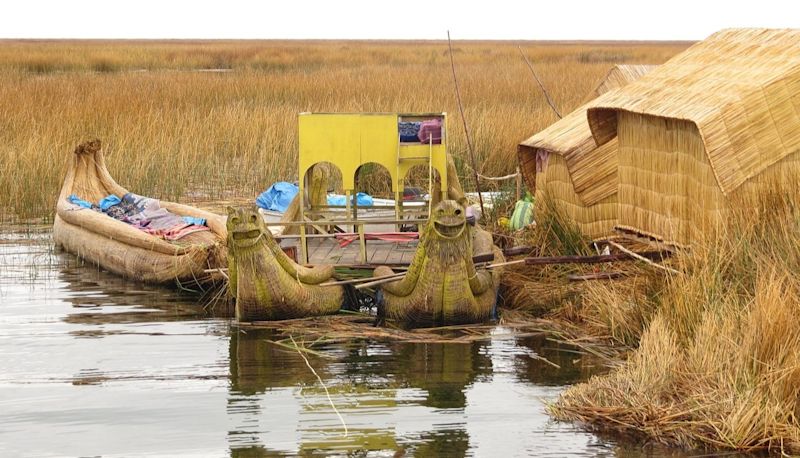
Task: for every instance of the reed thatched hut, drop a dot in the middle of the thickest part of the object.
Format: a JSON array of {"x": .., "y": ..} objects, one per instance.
[
  {"x": 714, "y": 122},
  {"x": 566, "y": 168}
]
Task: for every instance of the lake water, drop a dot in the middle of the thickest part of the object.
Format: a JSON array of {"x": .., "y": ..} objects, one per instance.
[{"x": 94, "y": 365}]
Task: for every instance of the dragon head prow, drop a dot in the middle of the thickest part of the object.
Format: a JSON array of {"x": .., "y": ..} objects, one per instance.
[
  {"x": 245, "y": 227},
  {"x": 449, "y": 219}
]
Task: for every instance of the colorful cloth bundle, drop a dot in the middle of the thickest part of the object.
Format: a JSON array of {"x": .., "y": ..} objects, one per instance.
[
  {"x": 145, "y": 214},
  {"x": 409, "y": 131},
  {"x": 522, "y": 216},
  {"x": 430, "y": 131}
]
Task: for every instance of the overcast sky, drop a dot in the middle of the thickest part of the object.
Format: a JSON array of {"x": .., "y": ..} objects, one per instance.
[{"x": 398, "y": 19}]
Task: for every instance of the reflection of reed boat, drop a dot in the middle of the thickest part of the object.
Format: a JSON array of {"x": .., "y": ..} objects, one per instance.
[{"x": 121, "y": 248}]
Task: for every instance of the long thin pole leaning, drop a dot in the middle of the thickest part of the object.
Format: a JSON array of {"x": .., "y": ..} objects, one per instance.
[
  {"x": 464, "y": 122},
  {"x": 541, "y": 86}
]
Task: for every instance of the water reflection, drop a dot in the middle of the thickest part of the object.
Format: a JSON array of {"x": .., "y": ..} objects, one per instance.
[
  {"x": 541, "y": 361},
  {"x": 442, "y": 370},
  {"x": 423, "y": 399},
  {"x": 139, "y": 370}
]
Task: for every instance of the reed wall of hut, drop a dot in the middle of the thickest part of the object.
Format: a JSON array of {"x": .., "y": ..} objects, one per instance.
[
  {"x": 567, "y": 170},
  {"x": 715, "y": 126}
]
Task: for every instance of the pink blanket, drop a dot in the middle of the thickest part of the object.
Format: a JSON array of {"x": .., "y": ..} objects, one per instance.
[{"x": 431, "y": 131}]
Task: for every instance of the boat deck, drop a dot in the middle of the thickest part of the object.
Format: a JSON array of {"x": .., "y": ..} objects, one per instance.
[{"x": 327, "y": 251}]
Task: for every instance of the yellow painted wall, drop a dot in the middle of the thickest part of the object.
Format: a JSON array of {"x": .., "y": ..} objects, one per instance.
[{"x": 350, "y": 140}]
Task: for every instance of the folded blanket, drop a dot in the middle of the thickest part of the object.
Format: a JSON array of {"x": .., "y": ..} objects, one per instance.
[{"x": 431, "y": 131}]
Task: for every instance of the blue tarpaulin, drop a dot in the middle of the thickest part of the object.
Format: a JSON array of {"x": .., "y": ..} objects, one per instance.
[
  {"x": 79, "y": 202},
  {"x": 109, "y": 201},
  {"x": 278, "y": 196},
  {"x": 363, "y": 199}
]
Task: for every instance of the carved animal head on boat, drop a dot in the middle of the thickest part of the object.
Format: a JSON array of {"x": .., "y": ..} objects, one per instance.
[
  {"x": 264, "y": 282},
  {"x": 446, "y": 237},
  {"x": 245, "y": 227},
  {"x": 448, "y": 219}
]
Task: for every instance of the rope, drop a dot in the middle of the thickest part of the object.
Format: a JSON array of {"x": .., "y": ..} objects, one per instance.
[
  {"x": 484, "y": 177},
  {"x": 502, "y": 178}
]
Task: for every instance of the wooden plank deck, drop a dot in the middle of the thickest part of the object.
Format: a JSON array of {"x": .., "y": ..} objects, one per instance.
[{"x": 328, "y": 251}]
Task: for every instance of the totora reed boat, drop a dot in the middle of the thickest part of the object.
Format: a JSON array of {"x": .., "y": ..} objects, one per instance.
[{"x": 127, "y": 249}]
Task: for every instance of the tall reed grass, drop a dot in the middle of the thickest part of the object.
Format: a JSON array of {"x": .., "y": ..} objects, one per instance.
[
  {"x": 172, "y": 131},
  {"x": 718, "y": 364}
]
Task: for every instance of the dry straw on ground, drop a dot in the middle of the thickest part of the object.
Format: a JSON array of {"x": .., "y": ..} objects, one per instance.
[{"x": 717, "y": 365}]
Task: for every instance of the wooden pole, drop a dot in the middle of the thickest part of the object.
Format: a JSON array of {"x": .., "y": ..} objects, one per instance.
[
  {"x": 398, "y": 276},
  {"x": 464, "y": 122},
  {"x": 641, "y": 258},
  {"x": 541, "y": 86},
  {"x": 596, "y": 259}
]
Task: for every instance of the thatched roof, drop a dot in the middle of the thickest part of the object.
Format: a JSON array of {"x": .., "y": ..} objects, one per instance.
[
  {"x": 617, "y": 77},
  {"x": 740, "y": 87},
  {"x": 592, "y": 174}
]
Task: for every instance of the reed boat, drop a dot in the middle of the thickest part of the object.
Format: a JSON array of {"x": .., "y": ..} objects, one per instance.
[
  {"x": 443, "y": 285},
  {"x": 122, "y": 248},
  {"x": 265, "y": 283}
]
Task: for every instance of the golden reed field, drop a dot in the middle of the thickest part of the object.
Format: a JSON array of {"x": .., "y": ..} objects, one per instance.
[{"x": 173, "y": 129}]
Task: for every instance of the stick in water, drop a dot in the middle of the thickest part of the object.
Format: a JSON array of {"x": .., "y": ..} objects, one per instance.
[{"x": 327, "y": 393}]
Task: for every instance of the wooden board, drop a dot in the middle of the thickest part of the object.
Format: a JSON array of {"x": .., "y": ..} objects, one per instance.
[{"x": 328, "y": 251}]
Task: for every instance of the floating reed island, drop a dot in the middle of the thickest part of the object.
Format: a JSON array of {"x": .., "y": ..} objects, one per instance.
[{"x": 684, "y": 176}]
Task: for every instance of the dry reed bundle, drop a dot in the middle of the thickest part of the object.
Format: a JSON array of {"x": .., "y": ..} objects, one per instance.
[
  {"x": 346, "y": 327},
  {"x": 717, "y": 365}
]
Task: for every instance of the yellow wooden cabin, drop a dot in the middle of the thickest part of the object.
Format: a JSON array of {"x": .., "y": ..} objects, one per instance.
[{"x": 350, "y": 140}]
